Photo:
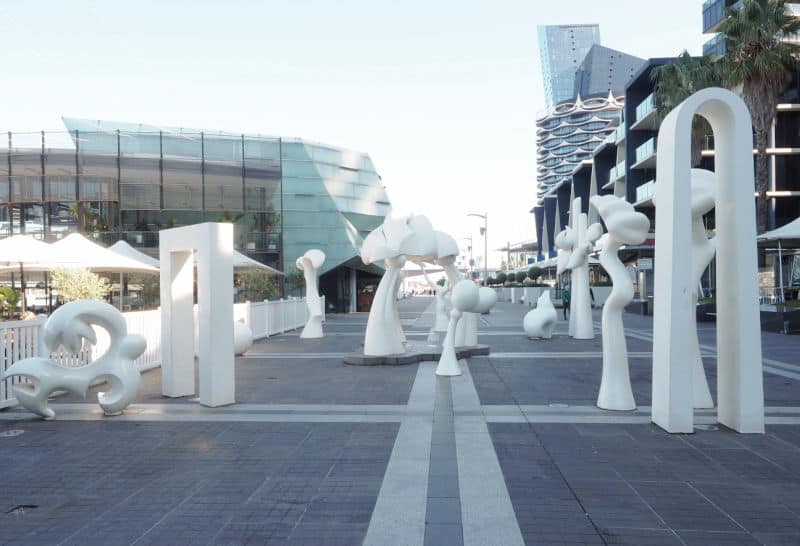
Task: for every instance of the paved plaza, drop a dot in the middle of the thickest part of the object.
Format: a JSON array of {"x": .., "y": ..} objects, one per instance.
[{"x": 514, "y": 451}]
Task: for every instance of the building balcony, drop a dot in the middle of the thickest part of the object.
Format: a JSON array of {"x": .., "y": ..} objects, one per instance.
[
  {"x": 716, "y": 46},
  {"x": 644, "y": 194},
  {"x": 715, "y": 12},
  {"x": 646, "y": 155},
  {"x": 615, "y": 173},
  {"x": 646, "y": 114}
]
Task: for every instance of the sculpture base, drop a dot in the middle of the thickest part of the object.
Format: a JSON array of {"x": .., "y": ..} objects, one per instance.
[{"x": 416, "y": 352}]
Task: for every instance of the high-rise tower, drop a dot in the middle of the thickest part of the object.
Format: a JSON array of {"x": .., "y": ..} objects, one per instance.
[{"x": 562, "y": 48}]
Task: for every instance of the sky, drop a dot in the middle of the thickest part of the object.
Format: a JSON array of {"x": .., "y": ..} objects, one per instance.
[{"x": 443, "y": 94}]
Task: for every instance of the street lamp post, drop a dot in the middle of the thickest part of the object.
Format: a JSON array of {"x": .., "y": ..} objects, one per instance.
[
  {"x": 485, "y": 245},
  {"x": 471, "y": 262}
]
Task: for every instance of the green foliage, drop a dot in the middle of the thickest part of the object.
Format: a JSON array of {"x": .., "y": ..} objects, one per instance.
[
  {"x": 501, "y": 278},
  {"x": 258, "y": 285},
  {"x": 520, "y": 276},
  {"x": 295, "y": 280},
  {"x": 9, "y": 298},
  {"x": 534, "y": 273},
  {"x": 151, "y": 287},
  {"x": 491, "y": 281},
  {"x": 441, "y": 281},
  {"x": 79, "y": 284}
]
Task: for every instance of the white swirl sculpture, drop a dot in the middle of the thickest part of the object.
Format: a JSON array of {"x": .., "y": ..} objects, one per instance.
[
  {"x": 539, "y": 322},
  {"x": 309, "y": 263},
  {"x": 467, "y": 331},
  {"x": 625, "y": 227},
  {"x": 575, "y": 244},
  {"x": 69, "y": 325},
  {"x": 465, "y": 298},
  {"x": 703, "y": 184},
  {"x": 396, "y": 240}
]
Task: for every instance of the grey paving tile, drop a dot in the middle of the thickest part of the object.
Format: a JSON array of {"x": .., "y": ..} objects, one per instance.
[{"x": 443, "y": 534}]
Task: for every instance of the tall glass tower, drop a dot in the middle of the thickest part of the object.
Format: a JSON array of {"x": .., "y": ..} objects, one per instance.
[{"x": 562, "y": 49}]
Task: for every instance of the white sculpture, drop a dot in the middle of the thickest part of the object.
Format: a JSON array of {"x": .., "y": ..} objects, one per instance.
[
  {"x": 69, "y": 325},
  {"x": 467, "y": 332},
  {"x": 213, "y": 243},
  {"x": 395, "y": 241},
  {"x": 540, "y": 321},
  {"x": 625, "y": 227},
  {"x": 309, "y": 263},
  {"x": 703, "y": 183},
  {"x": 242, "y": 337},
  {"x": 740, "y": 392},
  {"x": 575, "y": 244},
  {"x": 465, "y": 298}
]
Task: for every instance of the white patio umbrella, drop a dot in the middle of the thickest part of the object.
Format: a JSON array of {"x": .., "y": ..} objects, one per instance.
[
  {"x": 23, "y": 252},
  {"x": 123, "y": 248},
  {"x": 80, "y": 251}
]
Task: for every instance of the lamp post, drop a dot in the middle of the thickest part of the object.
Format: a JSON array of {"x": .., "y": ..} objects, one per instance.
[
  {"x": 485, "y": 245},
  {"x": 471, "y": 261}
]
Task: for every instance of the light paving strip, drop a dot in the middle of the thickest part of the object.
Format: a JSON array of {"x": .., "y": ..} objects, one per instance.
[
  {"x": 399, "y": 514},
  {"x": 487, "y": 515}
]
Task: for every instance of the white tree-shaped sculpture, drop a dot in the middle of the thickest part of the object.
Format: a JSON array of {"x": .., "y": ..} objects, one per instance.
[
  {"x": 539, "y": 322},
  {"x": 465, "y": 298},
  {"x": 69, "y": 325},
  {"x": 703, "y": 194},
  {"x": 309, "y": 263},
  {"x": 625, "y": 227},
  {"x": 575, "y": 244}
]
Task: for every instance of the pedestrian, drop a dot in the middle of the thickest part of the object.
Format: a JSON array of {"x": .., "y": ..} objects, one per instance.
[{"x": 565, "y": 298}]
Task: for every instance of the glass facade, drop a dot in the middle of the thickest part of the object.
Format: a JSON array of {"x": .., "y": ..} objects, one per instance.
[
  {"x": 127, "y": 181},
  {"x": 562, "y": 48}
]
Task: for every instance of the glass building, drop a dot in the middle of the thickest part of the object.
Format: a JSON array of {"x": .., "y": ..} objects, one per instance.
[
  {"x": 561, "y": 49},
  {"x": 127, "y": 181}
]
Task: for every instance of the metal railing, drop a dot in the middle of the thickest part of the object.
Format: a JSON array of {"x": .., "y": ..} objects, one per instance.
[
  {"x": 646, "y": 150},
  {"x": 645, "y": 191},
  {"x": 646, "y": 106}
]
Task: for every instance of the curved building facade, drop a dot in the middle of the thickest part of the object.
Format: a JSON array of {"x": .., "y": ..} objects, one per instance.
[
  {"x": 569, "y": 133},
  {"x": 121, "y": 181}
]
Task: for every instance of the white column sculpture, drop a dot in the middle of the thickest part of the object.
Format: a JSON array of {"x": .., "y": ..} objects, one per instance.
[
  {"x": 576, "y": 243},
  {"x": 740, "y": 392},
  {"x": 309, "y": 263},
  {"x": 439, "y": 328},
  {"x": 703, "y": 184},
  {"x": 540, "y": 321},
  {"x": 465, "y": 297},
  {"x": 625, "y": 227},
  {"x": 68, "y": 326},
  {"x": 213, "y": 243}
]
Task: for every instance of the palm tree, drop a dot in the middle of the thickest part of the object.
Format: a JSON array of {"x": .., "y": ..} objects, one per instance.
[
  {"x": 759, "y": 62},
  {"x": 675, "y": 82}
]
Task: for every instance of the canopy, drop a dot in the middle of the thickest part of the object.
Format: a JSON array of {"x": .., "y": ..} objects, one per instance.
[
  {"x": 788, "y": 235},
  {"x": 23, "y": 249},
  {"x": 75, "y": 250},
  {"x": 123, "y": 248}
]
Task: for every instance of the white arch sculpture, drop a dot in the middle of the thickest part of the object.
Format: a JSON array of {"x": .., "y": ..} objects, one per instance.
[
  {"x": 740, "y": 391},
  {"x": 575, "y": 244},
  {"x": 309, "y": 263},
  {"x": 625, "y": 227}
]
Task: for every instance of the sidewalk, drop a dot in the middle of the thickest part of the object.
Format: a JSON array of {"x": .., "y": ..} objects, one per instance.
[{"x": 316, "y": 452}]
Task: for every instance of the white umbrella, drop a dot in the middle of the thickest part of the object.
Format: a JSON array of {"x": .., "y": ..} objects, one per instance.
[
  {"x": 240, "y": 261},
  {"x": 23, "y": 252},
  {"x": 123, "y": 248},
  {"x": 75, "y": 250}
]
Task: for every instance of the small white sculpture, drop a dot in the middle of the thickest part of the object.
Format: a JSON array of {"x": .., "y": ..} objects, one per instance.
[
  {"x": 740, "y": 390},
  {"x": 625, "y": 227},
  {"x": 242, "y": 337},
  {"x": 540, "y": 321},
  {"x": 467, "y": 332},
  {"x": 69, "y": 325},
  {"x": 395, "y": 241},
  {"x": 309, "y": 263},
  {"x": 465, "y": 298},
  {"x": 575, "y": 244}
]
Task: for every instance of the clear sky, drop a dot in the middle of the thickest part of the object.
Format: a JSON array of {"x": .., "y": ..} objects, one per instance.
[{"x": 443, "y": 94}]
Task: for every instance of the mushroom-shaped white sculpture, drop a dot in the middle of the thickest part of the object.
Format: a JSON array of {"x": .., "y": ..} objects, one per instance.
[
  {"x": 439, "y": 327},
  {"x": 625, "y": 227},
  {"x": 309, "y": 263},
  {"x": 703, "y": 196},
  {"x": 467, "y": 332},
  {"x": 465, "y": 298},
  {"x": 242, "y": 337},
  {"x": 69, "y": 325},
  {"x": 574, "y": 244},
  {"x": 540, "y": 321}
]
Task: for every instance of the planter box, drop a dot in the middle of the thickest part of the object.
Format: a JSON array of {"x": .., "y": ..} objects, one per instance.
[{"x": 777, "y": 318}]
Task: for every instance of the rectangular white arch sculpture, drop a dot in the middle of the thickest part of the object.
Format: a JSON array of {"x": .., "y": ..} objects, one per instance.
[
  {"x": 214, "y": 245},
  {"x": 740, "y": 391}
]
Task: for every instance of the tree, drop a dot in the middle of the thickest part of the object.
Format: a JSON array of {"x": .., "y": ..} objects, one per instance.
[
  {"x": 9, "y": 298},
  {"x": 675, "y": 82},
  {"x": 79, "y": 284},
  {"x": 150, "y": 287},
  {"x": 258, "y": 285},
  {"x": 759, "y": 61},
  {"x": 295, "y": 280},
  {"x": 520, "y": 276},
  {"x": 534, "y": 273},
  {"x": 441, "y": 281},
  {"x": 501, "y": 278}
]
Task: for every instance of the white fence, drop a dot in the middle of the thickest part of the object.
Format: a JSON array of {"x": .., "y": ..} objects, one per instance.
[{"x": 21, "y": 339}]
